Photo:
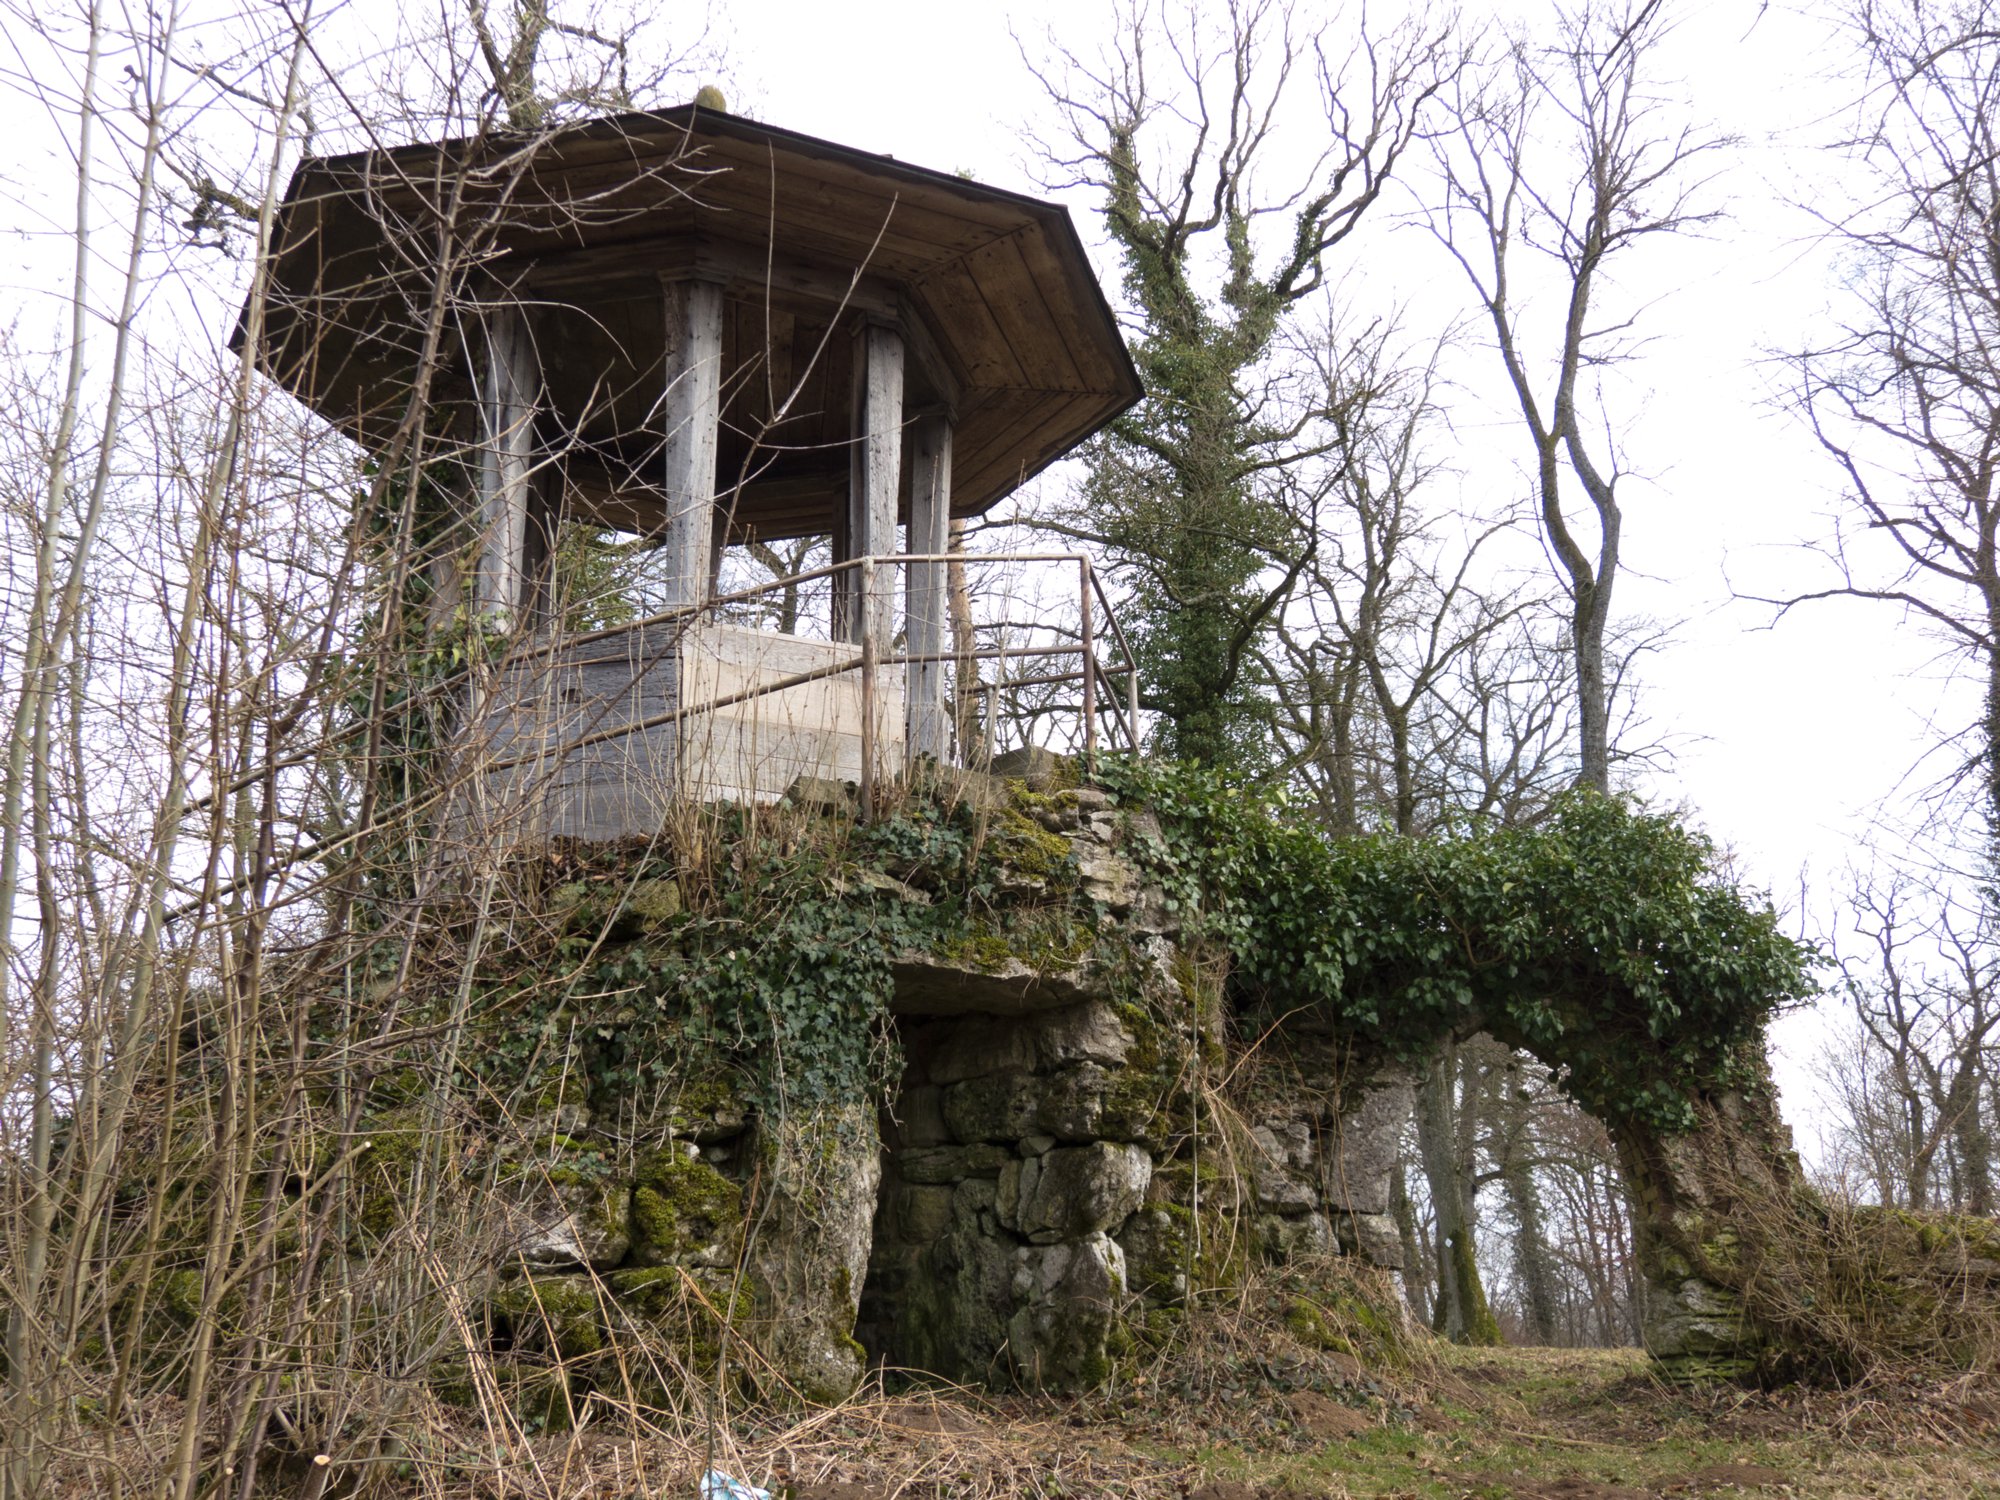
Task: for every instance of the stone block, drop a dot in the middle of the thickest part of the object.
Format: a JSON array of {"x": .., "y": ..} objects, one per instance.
[
  {"x": 1157, "y": 1253},
  {"x": 1282, "y": 1238},
  {"x": 563, "y": 1225},
  {"x": 1073, "y": 1191},
  {"x": 1367, "y": 1143},
  {"x": 1108, "y": 878},
  {"x": 1285, "y": 1142},
  {"x": 823, "y": 794},
  {"x": 949, "y": 1164},
  {"x": 981, "y": 1046},
  {"x": 1068, "y": 1104},
  {"x": 1372, "y": 1237},
  {"x": 1091, "y": 1033},
  {"x": 1282, "y": 1193},
  {"x": 920, "y": 1118},
  {"x": 997, "y": 1107},
  {"x": 1042, "y": 770},
  {"x": 972, "y": 1204},
  {"x": 924, "y": 1212},
  {"x": 938, "y": 984},
  {"x": 1068, "y": 1298},
  {"x": 684, "y": 1212},
  {"x": 809, "y": 1259}
]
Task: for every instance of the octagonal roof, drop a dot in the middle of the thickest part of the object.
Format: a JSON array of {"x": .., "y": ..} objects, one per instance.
[{"x": 1005, "y": 322}]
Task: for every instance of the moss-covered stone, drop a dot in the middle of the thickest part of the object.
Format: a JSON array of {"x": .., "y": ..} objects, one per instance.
[
  {"x": 653, "y": 903},
  {"x": 178, "y": 1295},
  {"x": 689, "y": 1310},
  {"x": 559, "y": 1314},
  {"x": 1307, "y": 1322},
  {"x": 387, "y": 1167},
  {"x": 684, "y": 1210},
  {"x": 1029, "y": 851}
]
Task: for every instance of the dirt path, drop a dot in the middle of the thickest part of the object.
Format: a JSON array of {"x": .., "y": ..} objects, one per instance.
[{"x": 1490, "y": 1425}]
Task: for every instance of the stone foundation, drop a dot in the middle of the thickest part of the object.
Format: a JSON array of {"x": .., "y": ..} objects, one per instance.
[
  {"x": 1058, "y": 1172},
  {"x": 1050, "y": 1186}
]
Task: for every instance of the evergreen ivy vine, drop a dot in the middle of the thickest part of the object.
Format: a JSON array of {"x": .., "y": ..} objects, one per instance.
[{"x": 1604, "y": 940}]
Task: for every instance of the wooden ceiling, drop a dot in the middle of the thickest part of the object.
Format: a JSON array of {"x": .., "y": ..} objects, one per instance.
[{"x": 383, "y": 254}]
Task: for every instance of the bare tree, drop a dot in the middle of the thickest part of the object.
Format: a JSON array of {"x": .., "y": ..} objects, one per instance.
[
  {"x": 1904, "y": 396},
  {"x": 1173, "y": 129},
  {"x": 1560, "y": 162},
  {"x": 1396, "y": 605},
  {"x": 202, "y": 787},
  {"x": 1916, "y": 1095}
]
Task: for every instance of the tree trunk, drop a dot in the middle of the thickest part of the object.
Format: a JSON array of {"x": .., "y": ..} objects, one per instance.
[
  {"x": 1975, "y": 1154},
  {"x": 1533, "y": 1263},
  {"x": 1593, "y": 706},
  {"x": 1416, "y": 1276},
  {"x": 1461, "y": 1314}
]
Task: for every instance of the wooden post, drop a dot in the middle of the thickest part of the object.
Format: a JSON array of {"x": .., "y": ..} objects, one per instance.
[
  {"x": 508, "y": 386},
  {"x": 875, "y": 474},
  {"x": 926, "y": 730},
  {"x": 1089, "y": 667},
  {"x": 868, "y": 650},
  {"x": 692, "y": 410}
]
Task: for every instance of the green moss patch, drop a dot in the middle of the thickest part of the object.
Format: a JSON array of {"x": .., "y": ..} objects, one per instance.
[{"x": 682, "y": 1205}]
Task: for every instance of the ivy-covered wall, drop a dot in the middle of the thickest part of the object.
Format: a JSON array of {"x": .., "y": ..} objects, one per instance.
[{"x": 1004, "y": 1082}]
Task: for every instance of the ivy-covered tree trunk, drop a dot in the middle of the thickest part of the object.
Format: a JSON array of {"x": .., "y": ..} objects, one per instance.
[{"x": 1194, "y": 495}]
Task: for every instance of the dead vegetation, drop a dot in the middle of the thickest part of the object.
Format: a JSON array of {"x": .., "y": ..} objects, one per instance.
[
  {"x": 1877, "y": 1297},
  {"x": 1453, "y": 1424}
]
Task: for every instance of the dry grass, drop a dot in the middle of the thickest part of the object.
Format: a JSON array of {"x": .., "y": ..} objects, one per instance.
[
  {"x": 1457, "y": 1425},
  {"x": 1874, "y": 1297}
]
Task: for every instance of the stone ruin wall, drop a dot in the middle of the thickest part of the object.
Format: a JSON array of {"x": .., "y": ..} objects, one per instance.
[
  {"x": 1040, "y": 1198},
  {"x": 1057, "y": 1166}
]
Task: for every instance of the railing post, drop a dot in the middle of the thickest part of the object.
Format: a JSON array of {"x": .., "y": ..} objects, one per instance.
[
  {"x": 1089, "y": 667},
  {"x": 868, "y": 649}
]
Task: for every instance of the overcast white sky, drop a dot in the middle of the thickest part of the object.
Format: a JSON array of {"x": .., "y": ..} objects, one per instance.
[{"x": 1785, "y": 738}]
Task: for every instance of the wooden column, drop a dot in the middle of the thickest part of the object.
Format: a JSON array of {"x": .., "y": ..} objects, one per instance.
[
  {"x": 691, "y": 411},
  {"x": 874, "y": 477},
  {"x": 508, "y": 386},
  {"x": 926, "y": 731}
]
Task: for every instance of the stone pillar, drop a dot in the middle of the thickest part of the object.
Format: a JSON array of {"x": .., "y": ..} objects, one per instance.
[
  {"x": 926, "y": 731},
  {"x": 1710, "y": 1205},
  {"x": 808, "y": 1252}
]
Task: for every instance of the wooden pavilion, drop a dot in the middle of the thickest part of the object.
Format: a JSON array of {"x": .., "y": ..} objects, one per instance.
[{"x": 706, "y": 331}]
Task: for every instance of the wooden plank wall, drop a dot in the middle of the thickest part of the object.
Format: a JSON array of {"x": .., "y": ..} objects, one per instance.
[{"x": 625, "y": 787}]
